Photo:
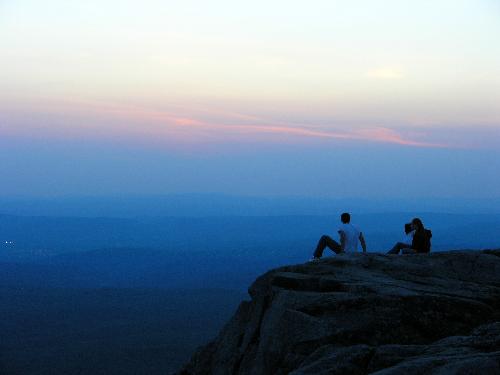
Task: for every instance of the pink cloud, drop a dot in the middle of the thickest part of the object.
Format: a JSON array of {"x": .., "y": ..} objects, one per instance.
[
  {"x": 179, "y": 124},
  {"x": 381, "y": 134}
]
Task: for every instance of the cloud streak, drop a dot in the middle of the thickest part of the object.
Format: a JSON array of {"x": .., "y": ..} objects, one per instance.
[{"x": 181, "y": 125}]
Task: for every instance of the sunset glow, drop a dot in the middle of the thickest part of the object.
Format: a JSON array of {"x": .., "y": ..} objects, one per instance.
[{"x": 195, "y": 76}]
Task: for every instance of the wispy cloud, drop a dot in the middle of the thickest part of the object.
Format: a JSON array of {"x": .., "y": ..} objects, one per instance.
[
  {"x": 375, "y": 134},
  {"x": 219, "y": 125},
  {"x": 371, "y": 134},
  {"x": 382, "y": 134}
]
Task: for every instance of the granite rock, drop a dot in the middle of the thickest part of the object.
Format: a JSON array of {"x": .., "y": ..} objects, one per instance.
[{"x": 435, "y": 313}]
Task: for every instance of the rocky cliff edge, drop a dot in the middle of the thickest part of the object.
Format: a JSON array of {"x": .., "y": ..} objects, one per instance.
[{"x": 366, "y": 314}]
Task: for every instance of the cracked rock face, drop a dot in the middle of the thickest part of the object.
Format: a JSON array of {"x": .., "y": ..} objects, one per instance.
[{"x": 362, "y": 314}]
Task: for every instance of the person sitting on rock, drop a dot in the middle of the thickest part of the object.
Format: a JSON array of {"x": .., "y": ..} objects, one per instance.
[
  {"x": 421, "y": 242},
  {"x": 406, "y": 243},
  {"x": 349, "y": 238}
]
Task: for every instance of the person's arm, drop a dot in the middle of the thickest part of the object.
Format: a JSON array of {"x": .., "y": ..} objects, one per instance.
[
  {"x": 363, "y": 242},
  {"x": 342, "y": 240}
]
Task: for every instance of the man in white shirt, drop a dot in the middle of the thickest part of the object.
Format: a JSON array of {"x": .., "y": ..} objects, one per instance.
[{"x": 349, "y": 238}]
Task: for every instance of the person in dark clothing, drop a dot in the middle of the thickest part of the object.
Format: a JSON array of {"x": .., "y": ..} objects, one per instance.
[{"x": 421, "y": 242}]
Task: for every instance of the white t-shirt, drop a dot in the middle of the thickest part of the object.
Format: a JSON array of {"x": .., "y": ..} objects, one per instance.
[{"x": 351, "y": 237}]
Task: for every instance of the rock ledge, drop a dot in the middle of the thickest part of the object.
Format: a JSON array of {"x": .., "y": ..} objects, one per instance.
[{"x": 365, "y": 314}]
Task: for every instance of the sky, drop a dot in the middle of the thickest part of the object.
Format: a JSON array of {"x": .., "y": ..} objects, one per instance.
[{"x": 355, "y": 98}]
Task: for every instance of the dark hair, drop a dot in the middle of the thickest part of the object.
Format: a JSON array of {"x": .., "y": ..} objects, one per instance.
[
  {"x": 408, "y": 228},
  {"x": 345, "y": 217},
  {"x": 416, "y": 221}
]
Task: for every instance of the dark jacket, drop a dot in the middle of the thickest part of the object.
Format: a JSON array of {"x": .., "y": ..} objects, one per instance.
[{"x": 422, "y": 241}]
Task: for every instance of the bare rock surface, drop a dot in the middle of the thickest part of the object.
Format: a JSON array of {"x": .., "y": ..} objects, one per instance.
[{"x": 366, "y": 314}]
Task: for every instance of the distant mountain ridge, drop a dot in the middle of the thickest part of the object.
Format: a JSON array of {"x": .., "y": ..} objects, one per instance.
[
  {"x": 31, "y": 238},
  {"x": 214, "y": 204},
  {"x": 365, "y": 314}
]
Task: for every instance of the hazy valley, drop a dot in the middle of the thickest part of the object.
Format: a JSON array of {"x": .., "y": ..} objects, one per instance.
[{"x": 139, "y": 294}]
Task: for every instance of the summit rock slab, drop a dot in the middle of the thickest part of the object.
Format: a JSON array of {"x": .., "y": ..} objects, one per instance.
[{"x": 435, "y": 313}]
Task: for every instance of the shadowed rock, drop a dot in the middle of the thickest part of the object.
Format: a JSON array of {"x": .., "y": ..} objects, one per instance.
[{"x": 363, "y": 314}]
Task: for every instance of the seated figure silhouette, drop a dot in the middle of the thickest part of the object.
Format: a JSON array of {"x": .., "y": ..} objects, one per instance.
[
  {"x": 349, "y": 238},
  {"x": 420, "y": 242}
]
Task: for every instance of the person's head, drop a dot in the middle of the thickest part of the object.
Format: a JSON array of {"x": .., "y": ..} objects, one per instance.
[
  {"x": 417, "y": 224},
  {"x": 345, "y": 218}
]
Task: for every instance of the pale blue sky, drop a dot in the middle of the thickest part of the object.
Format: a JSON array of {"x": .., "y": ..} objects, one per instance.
[{"x": 250, "y": 97}]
